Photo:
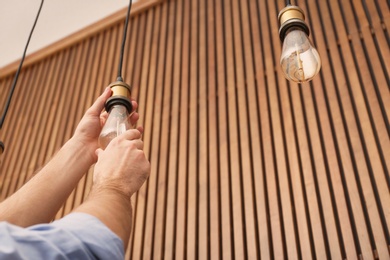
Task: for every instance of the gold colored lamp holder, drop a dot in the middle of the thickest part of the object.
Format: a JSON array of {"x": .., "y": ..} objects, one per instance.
[
  {"x": 291, "y": 16},
  {"x": 120, "y": 96}
]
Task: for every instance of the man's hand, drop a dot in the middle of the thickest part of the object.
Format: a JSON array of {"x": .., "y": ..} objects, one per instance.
[
  {"x": 120, "y": 171},
  {"x": 122, "y": 166},
  {"x": 90, "y": 126}
]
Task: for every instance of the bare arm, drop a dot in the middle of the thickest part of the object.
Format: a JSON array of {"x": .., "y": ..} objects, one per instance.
[
  {"x": 120, "y": 171},
  {"x": 40, "y": 198}
]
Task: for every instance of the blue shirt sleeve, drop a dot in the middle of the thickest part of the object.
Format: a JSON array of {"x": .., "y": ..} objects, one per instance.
[{"x": 76, "y": 236}]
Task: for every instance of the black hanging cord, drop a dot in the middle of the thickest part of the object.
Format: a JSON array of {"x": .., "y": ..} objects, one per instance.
[
  {"x": 19, "y": 68},
  {"x": 288, "y": 2},
  {"x": 119, "y": 77},
  {"x": 17, "y": 74}
]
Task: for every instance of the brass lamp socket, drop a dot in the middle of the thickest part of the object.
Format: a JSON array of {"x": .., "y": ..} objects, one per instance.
[
  {"x": 120, "y": 96},
  {"x": 1, "y": 147},
  {"x": 291, "y": 16}
]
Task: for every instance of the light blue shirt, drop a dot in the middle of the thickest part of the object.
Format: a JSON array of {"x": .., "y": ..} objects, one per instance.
[{"x": 76, "y": 236}]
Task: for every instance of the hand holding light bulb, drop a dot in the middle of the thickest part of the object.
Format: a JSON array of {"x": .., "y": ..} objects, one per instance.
[{"x": 90, "y": 126}]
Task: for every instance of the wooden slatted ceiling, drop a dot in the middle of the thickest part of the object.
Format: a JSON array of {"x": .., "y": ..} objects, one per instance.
[{"x": 245, "y": 165}]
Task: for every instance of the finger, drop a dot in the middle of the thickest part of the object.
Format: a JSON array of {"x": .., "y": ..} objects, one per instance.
[
  {"x": 134, "y": 118},
  {"x": 131, "y": 134},
  {"x": 98, "y": 106},
  {"x": 134, "y": 105},
  {"x": 138, "y": 143},
  {"x": 103, "y": 117},
  {"x": 140, "y": 129}
]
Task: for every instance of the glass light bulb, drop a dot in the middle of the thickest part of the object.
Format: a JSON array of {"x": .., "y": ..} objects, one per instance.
[
  {"x": 118, "y": 121},
  {"x": 299, "y": 59}
]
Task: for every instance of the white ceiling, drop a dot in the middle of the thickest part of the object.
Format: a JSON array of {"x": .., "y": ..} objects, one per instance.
[{"x": 58, "y": 19}]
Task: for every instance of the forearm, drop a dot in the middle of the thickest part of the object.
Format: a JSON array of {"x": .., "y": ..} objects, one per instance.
[
  {"x": 111, "y": 207},
  {"x": 41, "y": 197}
]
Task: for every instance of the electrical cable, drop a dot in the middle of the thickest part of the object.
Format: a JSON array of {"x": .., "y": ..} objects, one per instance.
[
  {"x": 15, "y": 80},
  {"x": 119, "y": 77},
  {"x": 288, "y": 2}
]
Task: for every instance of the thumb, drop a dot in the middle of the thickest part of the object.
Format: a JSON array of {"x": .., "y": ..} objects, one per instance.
[{"x": 98, "y": 106}]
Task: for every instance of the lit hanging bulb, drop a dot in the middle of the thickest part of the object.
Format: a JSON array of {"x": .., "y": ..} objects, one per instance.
[
  {"x": 300, "y": 61},
  {"x": 118, "y": 107}
]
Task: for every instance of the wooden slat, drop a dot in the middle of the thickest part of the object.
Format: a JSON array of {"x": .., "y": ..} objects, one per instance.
[
  {"x": 202, "y": 236},
  {"x": 182, "y": 181},
  {"x": 227, "y": 247},
  {"x": 192, "y": 171},
  {"x": 211, "y": 102},
  {"x": 245, "y": 165},
  {"x": 129, "y": 52}
]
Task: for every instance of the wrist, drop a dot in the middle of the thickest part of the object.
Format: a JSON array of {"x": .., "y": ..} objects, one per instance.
[
  {"x": 110, "y": 190},
  {"x": 85, "y": 149}
]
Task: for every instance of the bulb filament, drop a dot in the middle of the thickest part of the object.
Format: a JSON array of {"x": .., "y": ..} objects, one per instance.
[{"x": 300, "y": 74}]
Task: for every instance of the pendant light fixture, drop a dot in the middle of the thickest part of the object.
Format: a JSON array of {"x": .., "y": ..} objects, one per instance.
[
  {"x": 15, "y": 80},
  {"x": 300, "y": 61},
  {"x": 118, "y": 105}
]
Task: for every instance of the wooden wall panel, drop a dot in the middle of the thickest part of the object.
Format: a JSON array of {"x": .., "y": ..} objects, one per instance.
[{"x": 245, "y": 165}]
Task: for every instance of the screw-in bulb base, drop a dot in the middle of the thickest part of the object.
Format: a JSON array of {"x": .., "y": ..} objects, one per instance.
[
  {"x": 118, "y": 100},
  {"x": 120, "y": 96},
  {"x": 291, "y": 16}
]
